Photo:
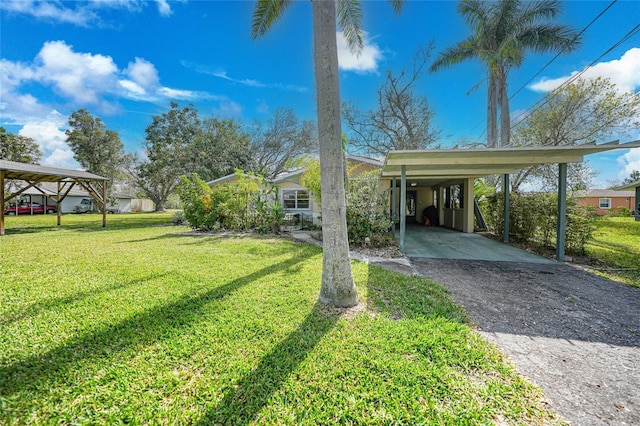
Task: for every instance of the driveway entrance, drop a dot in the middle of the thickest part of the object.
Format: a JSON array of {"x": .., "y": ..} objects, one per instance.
[{"x": 442, "y": 243}]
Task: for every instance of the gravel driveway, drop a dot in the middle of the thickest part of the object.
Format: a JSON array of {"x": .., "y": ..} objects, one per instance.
[{"x": 574, "y": 334}]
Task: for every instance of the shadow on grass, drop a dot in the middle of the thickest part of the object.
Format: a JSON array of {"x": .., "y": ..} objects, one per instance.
[
  {"x": 35, "y": 308},
  {"x": 243, "y": 401},
  {"x": 141, "y": 329},
  {"x": 39, "y": 223}
]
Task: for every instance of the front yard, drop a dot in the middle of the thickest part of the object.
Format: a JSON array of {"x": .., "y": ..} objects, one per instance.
[
  {"x": 138, "y": 324},
  {"x": 616, "y": 249}
]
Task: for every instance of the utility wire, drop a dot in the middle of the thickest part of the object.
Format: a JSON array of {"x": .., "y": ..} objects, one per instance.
[
  {"x": 574, "y": 77},
  {"x": 563, "y": 50}
]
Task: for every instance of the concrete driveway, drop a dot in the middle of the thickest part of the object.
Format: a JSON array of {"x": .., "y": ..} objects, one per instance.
[{"x": 574, "y": 334}]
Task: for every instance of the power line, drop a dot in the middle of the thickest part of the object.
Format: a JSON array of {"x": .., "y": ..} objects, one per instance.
[
  {"x": 539, "y": 104},
  {"x": 563, "y": 50}
]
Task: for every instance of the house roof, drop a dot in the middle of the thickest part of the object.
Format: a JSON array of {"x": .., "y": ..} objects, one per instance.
[
  {"x": 23, "y": 171},
  {"x": 439, "y": 167},
  {"x": 367, "y": 160},
  {"x": 227, "y": 178},
  {"x": 609, "y": 193},
  {"x": 634, "y": 184}
]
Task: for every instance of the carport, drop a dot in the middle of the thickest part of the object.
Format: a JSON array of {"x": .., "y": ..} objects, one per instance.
[
  {"x": 443, "y": 168},
  {"x": 66, "y": 179}
]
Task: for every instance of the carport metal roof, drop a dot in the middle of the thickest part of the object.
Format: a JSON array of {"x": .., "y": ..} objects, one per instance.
[
  {"x": 34, "y": 174},
  {"x": 440, "y": 166},
  {"x": 446, "y": 167}
]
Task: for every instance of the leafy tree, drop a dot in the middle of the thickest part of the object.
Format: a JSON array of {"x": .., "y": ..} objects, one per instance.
[
  {"x": 18, "y": 148},
  {"x": 96, "y": 148},
  {"x": 166, "y": 146},
  {"x": 285, "y": 139},
  {"x": 221, "y": 148},
  {"x": 585, "y": 111},
  {"x": 402, "y": 120},
  {"x": 337, "y": 288},
  {"x": 633, "y": 177},
  {"x": 502, "y": 33}
]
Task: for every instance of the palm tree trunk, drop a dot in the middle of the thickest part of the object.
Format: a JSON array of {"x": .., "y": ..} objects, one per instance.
[
  {"x": 505, "y": 115},
  {"x": 492, "y": 112},
  {"x": 338, "y": 288}
]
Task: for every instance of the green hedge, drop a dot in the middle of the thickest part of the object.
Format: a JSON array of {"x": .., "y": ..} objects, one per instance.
[{"x": 534, "y": 218}]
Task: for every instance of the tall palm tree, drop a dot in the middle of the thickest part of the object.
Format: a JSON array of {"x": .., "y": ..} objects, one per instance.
[
  {"x": 502, "y": 33},
  {"x": 338, "y": 288}
]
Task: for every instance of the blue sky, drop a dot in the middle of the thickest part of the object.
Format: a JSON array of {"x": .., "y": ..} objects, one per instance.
[{"x": 125, "y": 60}]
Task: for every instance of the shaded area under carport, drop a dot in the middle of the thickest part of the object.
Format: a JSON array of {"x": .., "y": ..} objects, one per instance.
[{"x": 443, "y": 243}]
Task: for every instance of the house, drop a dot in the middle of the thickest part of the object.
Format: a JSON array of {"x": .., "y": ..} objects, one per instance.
[
  {"x": 605, "y": 201},
  {"x": 298, "y": 202}
]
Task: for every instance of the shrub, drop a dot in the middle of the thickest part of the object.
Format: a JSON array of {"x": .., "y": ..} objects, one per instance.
[
  {"x": 246, "y": 204},
  {"x": 367, "y": 215},
  {"x": 619, "y": 212},
  {"x": 533, "y": 220}
]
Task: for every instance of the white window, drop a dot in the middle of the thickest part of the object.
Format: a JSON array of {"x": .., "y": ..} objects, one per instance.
[
  {"x": 605, "y": 203},
  {"x": 295, "y": 199}
]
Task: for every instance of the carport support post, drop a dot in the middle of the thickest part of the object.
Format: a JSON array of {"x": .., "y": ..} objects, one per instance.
[
  {"x": 1, "y": 202},
  {"x": 394, "y": 203},
  {"x": 403, "y": 204},
  {"x": 562, "y": 211},
  {"x": 637, "y": 206},
  {"x": 58, "y": 204},
  {"x": 104, "y": 203},
  {"x": 506, "y": 188}
]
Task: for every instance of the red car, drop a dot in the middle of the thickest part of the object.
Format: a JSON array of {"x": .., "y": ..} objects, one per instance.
[{"x": 26, "y": 208}]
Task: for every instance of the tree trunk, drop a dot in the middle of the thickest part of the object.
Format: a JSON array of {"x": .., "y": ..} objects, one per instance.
[
  {"x": 492, "y": 112},
  {"x": 505, "y": 115},
  {"x": 338, "y": 288}
]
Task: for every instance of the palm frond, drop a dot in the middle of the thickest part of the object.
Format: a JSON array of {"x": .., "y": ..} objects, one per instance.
[
  {"x": 396, "y": 5},
  {"x": 265, "y": 14},
  {"x": 350, "y": 21},
  {"x": 462, "y": 51}
]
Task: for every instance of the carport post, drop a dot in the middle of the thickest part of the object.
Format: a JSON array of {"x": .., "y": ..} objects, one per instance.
[
  {"x": 403, "y": 204},
  {"x": 1, "y": 202},
  {"x": 104, "y": 203},
  {"x": 394, "y": 203},
  {"x": 562, "y": 211},
  {"x": 58, "y": 204},
  {"x": 637, "y": 206},
  {"x": 506, "y": 188}
]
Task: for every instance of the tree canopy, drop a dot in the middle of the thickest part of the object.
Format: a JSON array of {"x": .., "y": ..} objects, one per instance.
[
  {"x": 402, "y": 119},
  {"x": 97, "y": 149},
  {"x": 18, "y": 148},
  {"x": 502, "y": 33}
]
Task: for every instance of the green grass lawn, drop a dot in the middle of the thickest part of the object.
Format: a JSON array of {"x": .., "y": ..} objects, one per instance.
[
  {"x": 616, "y": 248},
  {"x": 137, "y": 324}
]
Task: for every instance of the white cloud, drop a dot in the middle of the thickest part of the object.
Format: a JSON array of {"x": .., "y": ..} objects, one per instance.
[
  {"x": 623, "y": 72},
  {"x": 629, "y": 162},
  {"x": 79, "y": 76},
  {"x": 49, "y": 10},
  {"x": 249, "y": 82},
  {"x": 228, "y": 108},
  {"x": 364, "y": 62},
  {"x": 82, "y": 80},
  {"x": 164, "y": 8},
  {"x": 47, "y": 133},
  {"x": 82, "y": 14}
]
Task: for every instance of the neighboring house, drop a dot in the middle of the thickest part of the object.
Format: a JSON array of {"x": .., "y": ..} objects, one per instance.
[{"x": 606, "y": 201}]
